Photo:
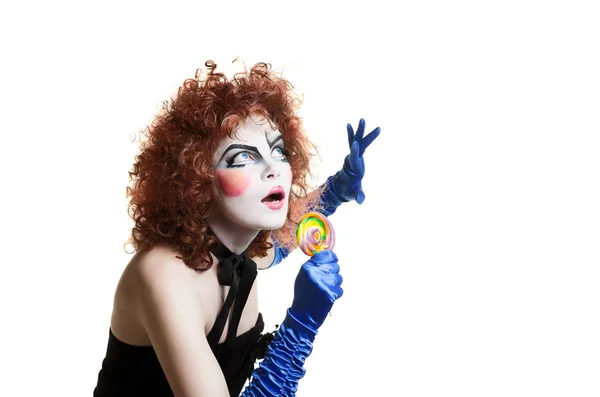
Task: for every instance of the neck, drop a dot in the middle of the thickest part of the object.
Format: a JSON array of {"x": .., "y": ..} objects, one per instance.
[{"x": 233, "y": 236}]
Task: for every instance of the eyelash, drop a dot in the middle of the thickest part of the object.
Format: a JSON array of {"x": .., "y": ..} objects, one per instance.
[
  {"x": 284, "y": 151},
  {"x": 230, "y": 164},
  {"x": 231, "y": 160}
]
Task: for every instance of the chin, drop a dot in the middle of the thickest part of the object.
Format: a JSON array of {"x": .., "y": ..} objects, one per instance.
[
  {"x": 274, "y": 226},
  {"x": 269, "y": 224},
  {"x": 270, "y": 220},
  {"x": 259, "y": 218}
]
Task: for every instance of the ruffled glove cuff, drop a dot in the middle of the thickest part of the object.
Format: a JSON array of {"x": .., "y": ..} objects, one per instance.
[{"x": 281, "y": 369}]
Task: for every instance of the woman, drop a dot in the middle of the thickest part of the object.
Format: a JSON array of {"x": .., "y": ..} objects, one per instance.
[{"x": 221, "y": 178}]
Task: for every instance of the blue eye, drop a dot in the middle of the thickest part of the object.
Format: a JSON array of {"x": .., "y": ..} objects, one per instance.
[
  {"x": 280, "y": 152},
  {"x": 241, "y": 159}
]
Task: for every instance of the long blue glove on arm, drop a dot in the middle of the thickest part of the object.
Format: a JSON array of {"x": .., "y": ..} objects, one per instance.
[
  {"x": 317, "y": 287},
  {"x": 346, "y": 185},
  {"x": 280, "y": 254}
]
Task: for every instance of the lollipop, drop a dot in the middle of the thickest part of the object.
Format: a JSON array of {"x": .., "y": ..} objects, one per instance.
[{"x": 314, "y": 233}]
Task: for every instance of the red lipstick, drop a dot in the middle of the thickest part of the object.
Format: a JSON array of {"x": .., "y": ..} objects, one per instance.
[{"x": 274, "y": 199}]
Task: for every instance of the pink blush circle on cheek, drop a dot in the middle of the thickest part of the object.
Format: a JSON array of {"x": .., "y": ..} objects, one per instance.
[{"x": 232, "y": 183}]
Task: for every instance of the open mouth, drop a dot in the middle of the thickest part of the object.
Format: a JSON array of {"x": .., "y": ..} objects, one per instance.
[
  {"x": 276, "y": 194},
  {"x": 274, "y": 199}
]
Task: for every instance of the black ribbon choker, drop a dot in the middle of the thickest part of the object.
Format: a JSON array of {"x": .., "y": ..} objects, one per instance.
[
  {"x": 232, "y": 266},
  {"x": 239, "y": 272}
]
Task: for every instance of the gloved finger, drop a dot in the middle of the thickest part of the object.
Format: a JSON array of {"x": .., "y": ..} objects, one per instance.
[
  {"x": 360, "y": 131},
  {"x": 360, "y": 195},
  {"x": 325, "y": 256},
  {"x": 354, "y": 155},
  {"x": 331, "y": 281},
  {"x": 354, "y": 165},
  {"x": 350, "y": 134},
  {"x": 338, "y": 279},
  {"x": 364, "y": 144},
  {"x": 328, "y": 268},
  {"x": 332, "y": 287}
]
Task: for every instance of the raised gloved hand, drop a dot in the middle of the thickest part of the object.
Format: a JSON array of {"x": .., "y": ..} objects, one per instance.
[
  {"x": 317, "y": 287},
  {"x": 346, "y": 185}
]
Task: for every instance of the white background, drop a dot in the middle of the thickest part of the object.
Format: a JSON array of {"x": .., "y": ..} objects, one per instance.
[{"x": 471, "y": 269}]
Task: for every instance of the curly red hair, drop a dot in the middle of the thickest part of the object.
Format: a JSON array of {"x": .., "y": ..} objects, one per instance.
[{"x": 170, "y": 190}]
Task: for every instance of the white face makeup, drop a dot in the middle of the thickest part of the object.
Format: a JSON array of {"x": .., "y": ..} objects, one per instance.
[{"x": 253, "y": 176}]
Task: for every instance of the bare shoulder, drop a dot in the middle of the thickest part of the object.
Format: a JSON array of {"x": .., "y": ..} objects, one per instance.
[
  {"x": 152, "y": 271},
  {"x": 161, "y": 262},
  {"x": 161, "y": 271},
  {"x": 174, "y": 319},
  {"x": 164, "y": 282}
]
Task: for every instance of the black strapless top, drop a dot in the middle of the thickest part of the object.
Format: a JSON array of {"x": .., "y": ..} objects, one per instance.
[{"x": 131, "y": 371}]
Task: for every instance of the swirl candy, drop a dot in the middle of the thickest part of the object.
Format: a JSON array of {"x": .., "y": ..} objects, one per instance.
[{"x": 314, "y": 233}]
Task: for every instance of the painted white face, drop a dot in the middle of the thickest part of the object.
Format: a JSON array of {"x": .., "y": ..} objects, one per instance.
[{"x": 253, "y": 176}]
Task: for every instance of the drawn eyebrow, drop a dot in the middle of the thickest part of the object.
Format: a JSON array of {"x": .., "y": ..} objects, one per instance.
[
  {"x": 238, "y": 146},
  {"x": 273, "y": 142}
]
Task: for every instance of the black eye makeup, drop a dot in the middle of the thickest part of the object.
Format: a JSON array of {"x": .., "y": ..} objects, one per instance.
[
  {"x": 247, "y": 155},
  {"x": 241, "y": 159},
  {"x": 280, "y": 152},
  {"x": 250, "y": 154},
  {"x": 274, "y": 141}
]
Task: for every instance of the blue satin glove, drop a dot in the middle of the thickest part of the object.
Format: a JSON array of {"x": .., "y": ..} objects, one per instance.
[
  {"x": 317, "y": 286},
  {"x": 346, "y": 185},
  {"x": 280, "y": 254}
]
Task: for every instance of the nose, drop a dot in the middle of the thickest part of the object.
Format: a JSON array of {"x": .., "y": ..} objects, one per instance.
[{"x": 271, "y": 170}]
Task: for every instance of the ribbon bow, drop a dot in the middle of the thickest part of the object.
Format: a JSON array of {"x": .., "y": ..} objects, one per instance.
[
  {"x": 233, "y": 266},
  {"x": 239, "y": 272}
]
